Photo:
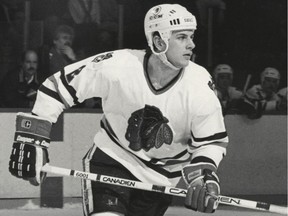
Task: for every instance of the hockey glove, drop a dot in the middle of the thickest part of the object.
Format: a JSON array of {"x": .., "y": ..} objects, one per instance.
[
  {"x": 29, "y": 152},
  {"x": 203, "y": 187}
]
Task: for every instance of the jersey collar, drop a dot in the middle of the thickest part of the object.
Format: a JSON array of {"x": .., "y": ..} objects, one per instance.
[{"x": 164, "y": 88}]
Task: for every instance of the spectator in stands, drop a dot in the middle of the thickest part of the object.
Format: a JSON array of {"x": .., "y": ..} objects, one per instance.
[
  {"x": 19, "y": 87},
  {"x": 61, "y": 53},
  {"x": 263, "y": 97},
  {"x": 96, "y": 24},
  {"x": 228, "y": 95}
]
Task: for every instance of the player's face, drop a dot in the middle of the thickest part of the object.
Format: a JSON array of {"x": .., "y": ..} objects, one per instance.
[
  {"x": 224, "y": 80},
  {"x": 270, "y": 85},
  {"x": 180, "y": 47}
]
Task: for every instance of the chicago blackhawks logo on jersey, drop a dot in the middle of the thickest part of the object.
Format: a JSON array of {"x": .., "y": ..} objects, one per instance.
[
  {"x": 148, "y": 128},
  {"x": 211, "y": 85}
]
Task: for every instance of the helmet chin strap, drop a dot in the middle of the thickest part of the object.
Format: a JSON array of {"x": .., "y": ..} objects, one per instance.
[{"x": 162, "y": 56}]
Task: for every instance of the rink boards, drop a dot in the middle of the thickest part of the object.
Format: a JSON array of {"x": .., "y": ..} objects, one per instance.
[{"x": 256, "y": 163}]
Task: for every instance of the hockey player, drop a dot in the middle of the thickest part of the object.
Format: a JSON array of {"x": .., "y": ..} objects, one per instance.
[
  {"x": 162, "y": 120},
  {"x": 227, "y": 94},
  {"x": 263, "y": 97}
]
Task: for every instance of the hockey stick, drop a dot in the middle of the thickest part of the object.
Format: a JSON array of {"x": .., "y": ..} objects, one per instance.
[
  {"x": 247, "y": 82},
  {"x": 161, "y": 189}
]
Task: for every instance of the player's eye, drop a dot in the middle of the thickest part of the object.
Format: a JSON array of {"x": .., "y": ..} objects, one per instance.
[{"x": 182, "y": 37}]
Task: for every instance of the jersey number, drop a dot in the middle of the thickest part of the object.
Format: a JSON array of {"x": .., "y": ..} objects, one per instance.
[{"x": 97, "y": 59}]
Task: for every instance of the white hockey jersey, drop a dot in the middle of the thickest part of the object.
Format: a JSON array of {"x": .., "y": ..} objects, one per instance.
[{"x": 153, "y": 133}]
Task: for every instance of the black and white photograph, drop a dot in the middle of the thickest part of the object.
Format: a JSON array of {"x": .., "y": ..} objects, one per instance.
[{"x": 143, "y": 107}]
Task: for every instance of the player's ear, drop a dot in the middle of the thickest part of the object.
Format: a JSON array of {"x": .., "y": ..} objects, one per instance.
[{"x": 159, "y": 43}]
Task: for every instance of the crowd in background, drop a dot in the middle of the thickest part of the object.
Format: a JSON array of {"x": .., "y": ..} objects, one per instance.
[{"x": 249, "y": 50}]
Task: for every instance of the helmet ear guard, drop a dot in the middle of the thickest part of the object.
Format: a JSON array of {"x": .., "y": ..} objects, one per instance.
[{"x": 159, "y": 45}]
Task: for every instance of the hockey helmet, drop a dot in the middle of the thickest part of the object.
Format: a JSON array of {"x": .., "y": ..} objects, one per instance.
[
  {"x": 270, "y": 72},
  {"x": 221, "y": 69},
  {"x": 166, "y": 18}
]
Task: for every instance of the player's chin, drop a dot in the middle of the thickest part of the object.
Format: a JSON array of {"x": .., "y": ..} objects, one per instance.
[{"x": 183, "y": 63}]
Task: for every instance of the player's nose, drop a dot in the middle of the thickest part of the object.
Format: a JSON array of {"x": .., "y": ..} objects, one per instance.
[{"x": 190, "y": 44}]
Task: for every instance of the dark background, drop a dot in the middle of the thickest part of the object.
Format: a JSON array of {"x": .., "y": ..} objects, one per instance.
[{"x": 253, "y": 35}]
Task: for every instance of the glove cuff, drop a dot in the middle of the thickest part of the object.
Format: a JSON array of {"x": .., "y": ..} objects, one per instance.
[
  {"x": 195, "y": 172},
  {"x": 32, "y": 130}
]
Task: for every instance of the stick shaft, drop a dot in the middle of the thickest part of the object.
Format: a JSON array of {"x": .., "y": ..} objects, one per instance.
[
  {"x": 247, "y": 82},
  {"x": 161, "y": 189}
]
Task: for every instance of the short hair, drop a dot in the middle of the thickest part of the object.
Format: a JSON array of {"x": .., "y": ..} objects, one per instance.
[
  {"x": 23, "y": 55},
  {"x": 63, "y": 29}
]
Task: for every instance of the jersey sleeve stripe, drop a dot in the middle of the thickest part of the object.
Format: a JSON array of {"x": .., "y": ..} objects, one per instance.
[
  {"x": 50, "y": 93},
  {"x": 69, "y": 88},
  {"x": 194, "y": 147},
  {"x": 201, "y": 159},
  {"x": 214, "y": 137}
]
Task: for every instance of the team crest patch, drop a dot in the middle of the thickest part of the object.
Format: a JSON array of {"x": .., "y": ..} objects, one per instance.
[
  {"x": 148, "y": 128},
  {"x": 211, "y": 85}
]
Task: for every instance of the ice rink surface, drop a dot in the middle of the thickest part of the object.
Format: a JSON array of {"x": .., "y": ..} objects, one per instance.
[{"x": 76, "y": 210}]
